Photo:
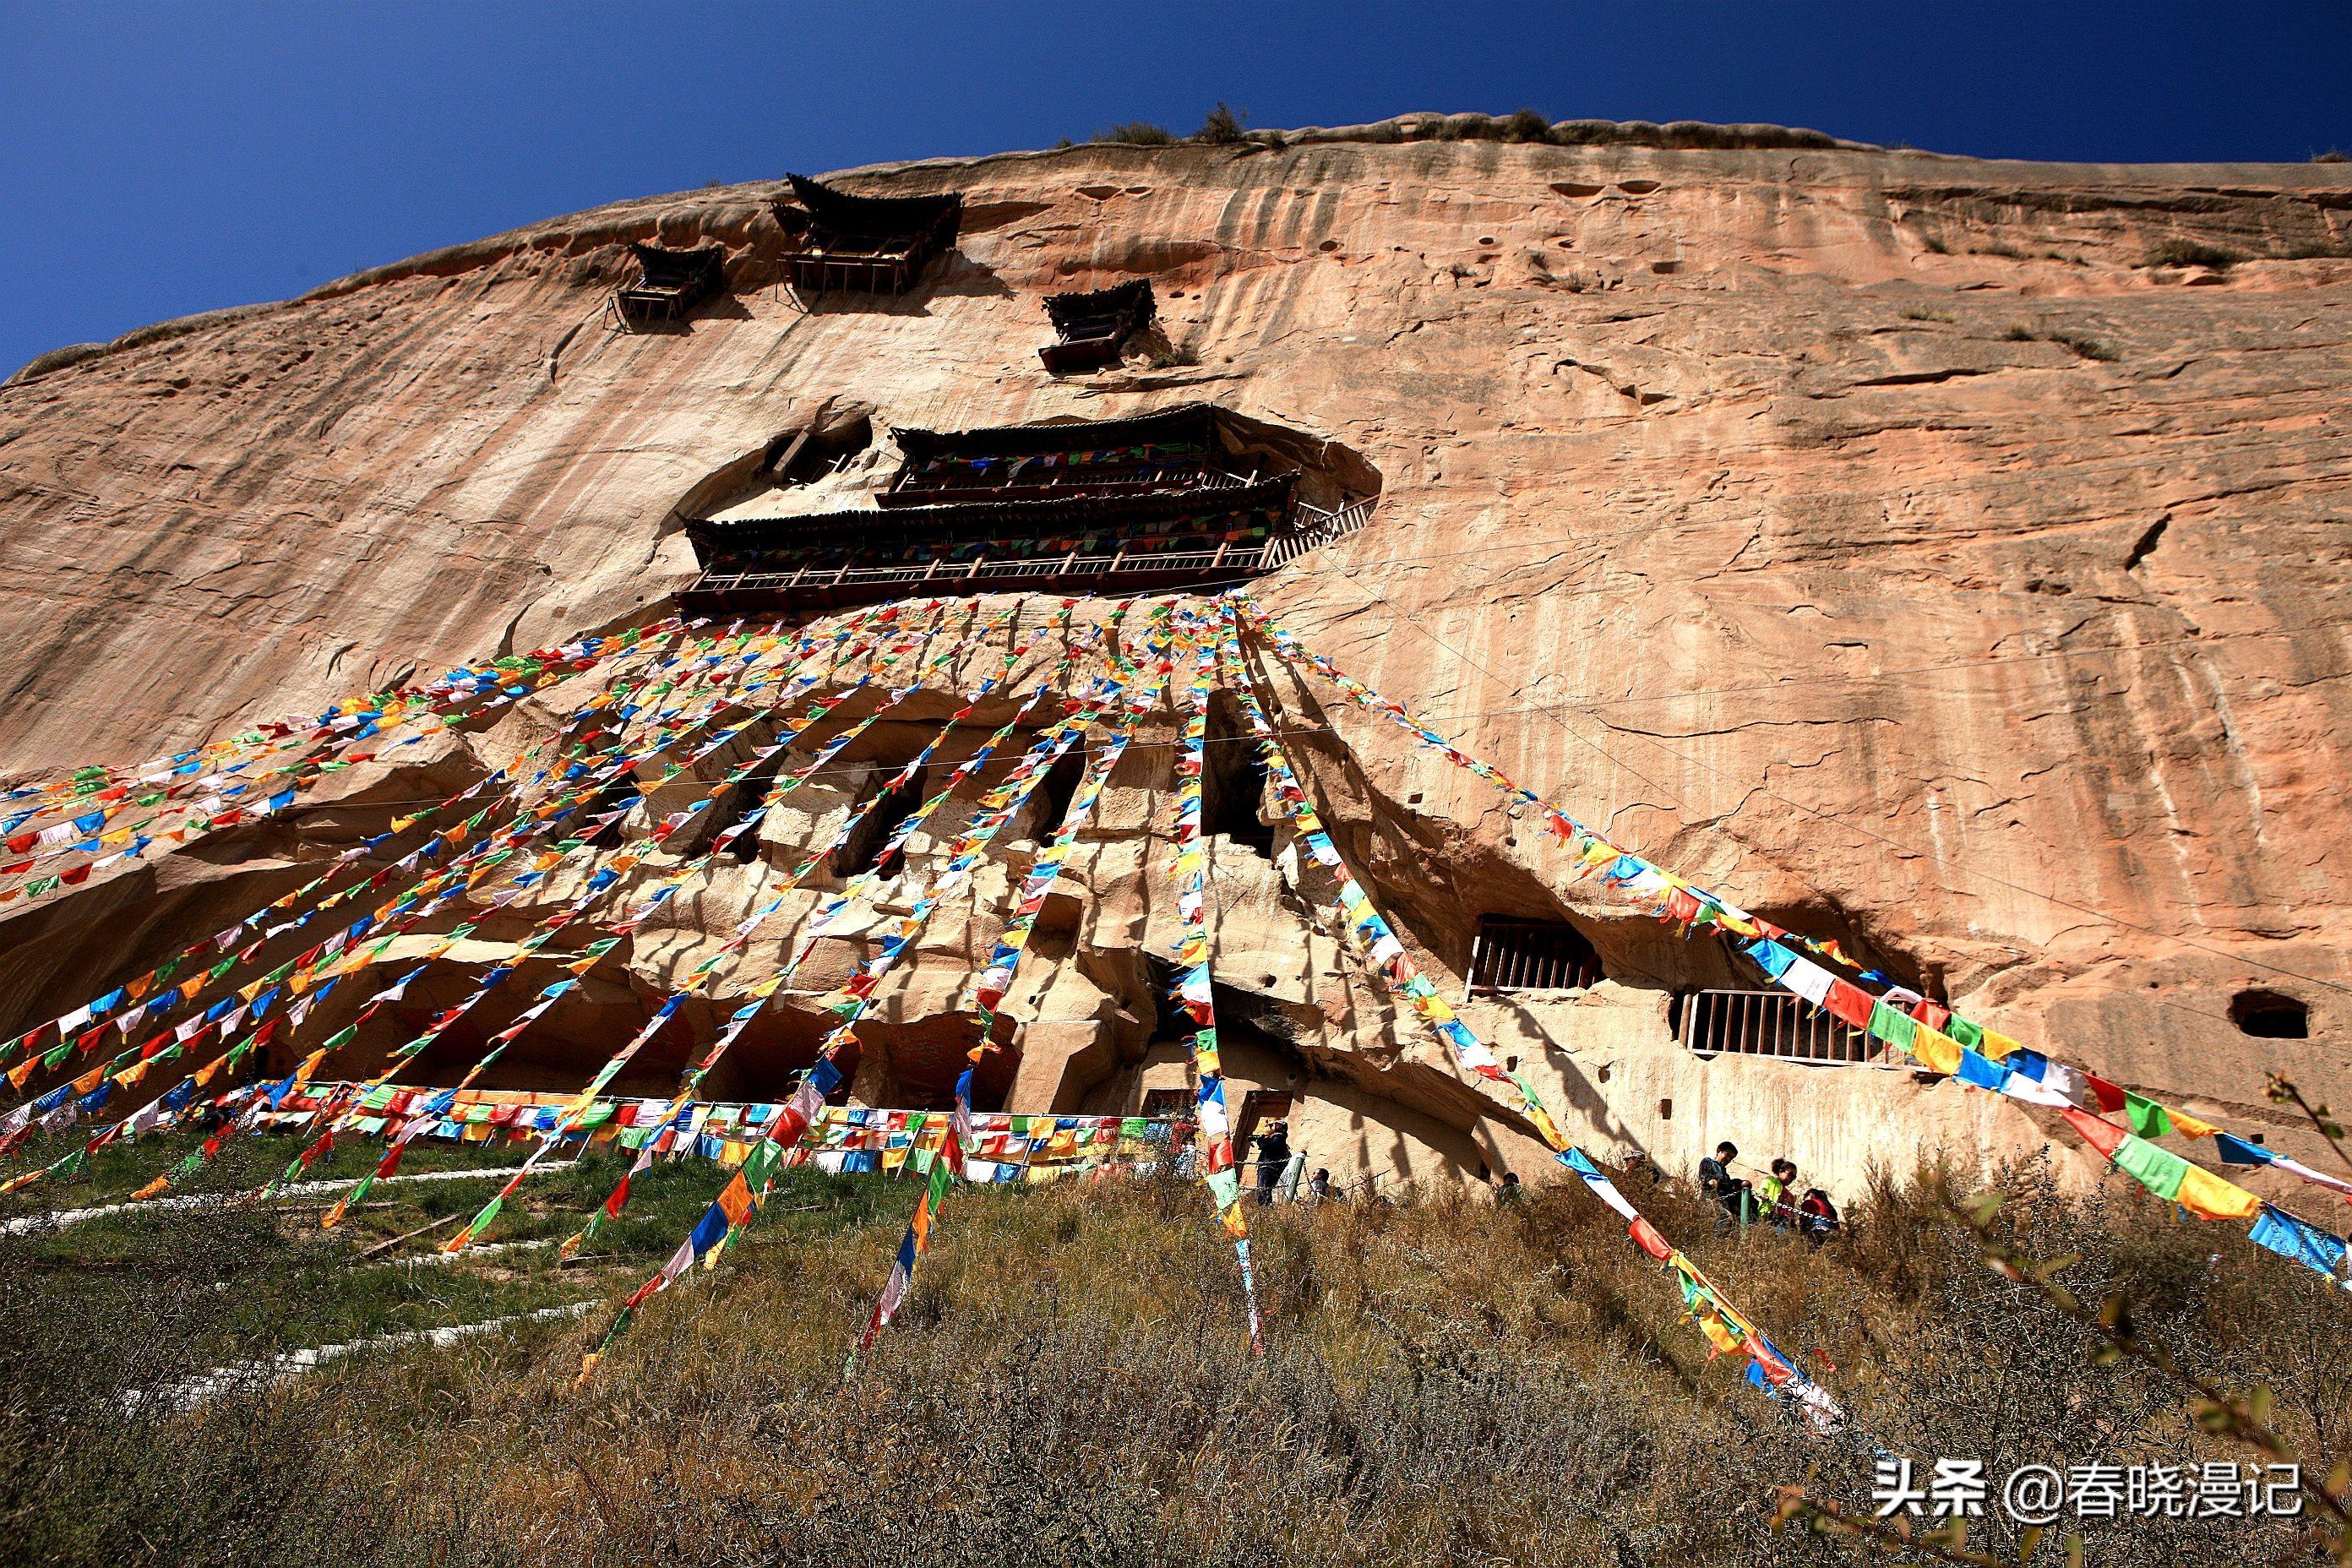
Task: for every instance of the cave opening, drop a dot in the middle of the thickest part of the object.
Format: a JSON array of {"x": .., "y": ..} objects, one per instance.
[
  {"x": 1233, "y": 780},
  {"x": 1054, "y": 793},
  {"x": 618, "y": 795},
  {"x": 2270, "y": 1016},
  {"x": 734, "y": 808},
  {"x": 863, "y": 851}
]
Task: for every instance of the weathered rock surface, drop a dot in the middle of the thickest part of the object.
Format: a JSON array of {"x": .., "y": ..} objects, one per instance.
[{"x": 1867, "y": 534}]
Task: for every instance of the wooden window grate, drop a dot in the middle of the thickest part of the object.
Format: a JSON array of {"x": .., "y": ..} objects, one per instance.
[
  {"x": 1530, "y": 956},
  {"x": 1773, "y": 1024}
]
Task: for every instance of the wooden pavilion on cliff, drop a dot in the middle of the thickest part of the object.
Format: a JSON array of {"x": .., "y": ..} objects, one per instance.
[
  {"x": 1093, "y": 327},
  {"x": 870, "y": 244},
  {"x": 671, "y": 283},
  {"x": 1160, "y": 502}
]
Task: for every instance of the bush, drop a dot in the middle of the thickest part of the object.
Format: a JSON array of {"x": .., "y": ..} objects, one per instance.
[
  {"x": 2081, "y": 344},
  {"x": 2190, "y": 253},
  {"x": 1138, "y": 133},
  {"x": 1526, "y": 125},
  {"x": 1223, "y": 127}
]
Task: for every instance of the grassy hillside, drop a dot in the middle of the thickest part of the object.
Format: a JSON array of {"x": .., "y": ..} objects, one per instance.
[{"x": 1445, "y": 1383}]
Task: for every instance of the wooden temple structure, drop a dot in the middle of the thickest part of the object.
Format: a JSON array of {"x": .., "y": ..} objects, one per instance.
[
  {"x": 1093, "y": 328},
  {"x": 1156, "y": 503},
  {"x": 671, "y": 283},
  {"x": 867, "y": 245}
]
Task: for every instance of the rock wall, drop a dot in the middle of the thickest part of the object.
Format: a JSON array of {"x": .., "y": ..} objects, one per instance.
[{"x": 1875, "y": 536}]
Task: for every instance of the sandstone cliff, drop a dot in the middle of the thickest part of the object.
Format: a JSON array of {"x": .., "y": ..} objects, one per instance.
[{"x": 1875, "y": 536}]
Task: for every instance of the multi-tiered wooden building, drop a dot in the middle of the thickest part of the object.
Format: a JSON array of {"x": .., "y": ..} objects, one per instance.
[
  {"x": 863, "y": 245},
  {"x": 1170, "y": 500}
]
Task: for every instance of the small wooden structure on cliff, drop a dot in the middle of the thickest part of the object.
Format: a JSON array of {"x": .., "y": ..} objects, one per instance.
[
  {"x": 1139, "y": 505},
  {"x": 671, "y": 283},
  {"x": 869, "y": 245},
  {"x": 1093, "y": 327}
]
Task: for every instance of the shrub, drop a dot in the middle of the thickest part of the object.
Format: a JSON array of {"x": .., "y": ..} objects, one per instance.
[
  {"x": 1223, "y": 127},
  {"x": 1526, "y": 125},
  {"x": 1138, "y": 133},
  {"x": 2081, "y": 344},
  {"x": 2190, "y": 253}
]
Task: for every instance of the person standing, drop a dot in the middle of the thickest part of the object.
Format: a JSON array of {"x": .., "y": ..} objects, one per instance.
[
  {"x": 1732, "y": 1196},
  {"x": 1273, "y": 1155},
  {"x": 1773, "y": 1195}
]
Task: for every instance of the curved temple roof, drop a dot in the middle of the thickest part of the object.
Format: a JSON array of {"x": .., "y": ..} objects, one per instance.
[
  {"x": 1187, "y": 421},
  {"x": 848, "y": 214}
]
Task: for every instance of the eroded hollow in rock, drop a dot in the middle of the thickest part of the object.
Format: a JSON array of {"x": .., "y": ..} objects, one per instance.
[{"x": 2270, "y": 1016}]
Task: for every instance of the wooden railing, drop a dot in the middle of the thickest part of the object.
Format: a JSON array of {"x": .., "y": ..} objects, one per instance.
[
  {"x": 1226, "y": 562},
  {"x": 1777, "y": 1025},
  {"x": 1321, "y": 529}
]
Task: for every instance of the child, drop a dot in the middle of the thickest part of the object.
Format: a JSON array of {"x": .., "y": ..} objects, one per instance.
[{"x": 1818, "y": 1215}]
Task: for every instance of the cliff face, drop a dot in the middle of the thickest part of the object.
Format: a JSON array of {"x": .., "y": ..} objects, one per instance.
[{"x": 1868, "y": 535}]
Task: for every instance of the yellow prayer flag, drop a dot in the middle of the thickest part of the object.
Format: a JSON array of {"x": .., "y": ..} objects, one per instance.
[
  {"x": 1717, "y": 1333},
  {"x": 2207, "y": 1196},
  {"x": 1997, "y": 1045},
  {"x": 2189, "y": 1126},
  {"x": 1935, "y": 1049}
]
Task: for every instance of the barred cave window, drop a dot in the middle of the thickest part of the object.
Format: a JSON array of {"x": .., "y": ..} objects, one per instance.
[
  {"x": 1530, "y": 956},
  {"x": 1770, "y": 1023}
]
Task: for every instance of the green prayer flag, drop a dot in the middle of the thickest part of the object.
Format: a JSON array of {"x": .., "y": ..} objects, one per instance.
[
  {"x": 2159, "y": 1170},
  {"x": 2147, "y": 1117},
  {"x": 761, "y": 1165},
  {"x": 1968, "y": 1033},
  {"x": 1895, "y": 1028}
]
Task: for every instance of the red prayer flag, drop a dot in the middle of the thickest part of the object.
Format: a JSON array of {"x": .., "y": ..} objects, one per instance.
[
  {"x": 2102, "y": 1134},
  {"x": 1849, "y": 1004}
]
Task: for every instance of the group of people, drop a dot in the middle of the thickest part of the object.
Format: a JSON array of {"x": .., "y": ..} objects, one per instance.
[{"x": 1739, "y": 1202}]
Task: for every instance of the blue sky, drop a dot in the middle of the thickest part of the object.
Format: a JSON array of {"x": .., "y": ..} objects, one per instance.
[{"x": 161, "y": 159}]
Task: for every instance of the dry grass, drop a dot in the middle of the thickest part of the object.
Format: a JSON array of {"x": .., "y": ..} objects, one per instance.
[{"x": 1443, "y": 1384}]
